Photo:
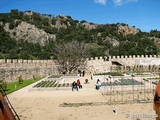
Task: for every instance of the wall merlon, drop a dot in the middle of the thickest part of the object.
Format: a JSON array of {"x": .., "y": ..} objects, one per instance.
[
  {"x": 25, "y": 61},
  {"x": 154, "y": 56},
  {"x": 8, "y": 61},
  {"x": 30, "y": 61},
  {"x": 35, "y": 61},
  {"x": 20, "y": 61},
  {"x": 91, "y": 58},
  {"x": 101, "y": 58},
  {"x": 2, "y": 60},
  {"x": 96, "y": 58}
]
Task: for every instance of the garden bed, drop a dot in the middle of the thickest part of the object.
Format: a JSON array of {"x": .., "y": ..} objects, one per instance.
[
  {"x": 48, "y": 84},
  {"x": 111, "y": 73},
  {"x": 122, "y": 82}
]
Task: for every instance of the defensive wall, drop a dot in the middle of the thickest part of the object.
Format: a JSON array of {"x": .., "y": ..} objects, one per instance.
[
  {"x": 11, "y": 69},
  {"x": 123, "y": 63}
]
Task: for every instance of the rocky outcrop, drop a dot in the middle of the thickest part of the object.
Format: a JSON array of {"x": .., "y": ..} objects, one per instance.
[
  {"x": 125, "y": 30},
  {"x": 89, "y": 25},
  {"x": 112, "y": 41},
  {"x": 58, "y": 25},
  {"x": 61, "y": 21},
  {"x": 156, "y": 41},
  {"x": 30, "y": 33}
]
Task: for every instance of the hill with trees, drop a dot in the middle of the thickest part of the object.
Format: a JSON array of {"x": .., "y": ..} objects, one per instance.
[{"x": 31, "y": 35}]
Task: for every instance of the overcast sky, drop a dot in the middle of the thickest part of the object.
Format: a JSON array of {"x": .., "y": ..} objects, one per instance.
[{"x": 143, "y": 14}]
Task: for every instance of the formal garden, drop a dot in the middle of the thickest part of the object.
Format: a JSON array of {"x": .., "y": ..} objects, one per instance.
[
  {"x": 130, "y": 88},
  {"x": 116, "y": 87},
  {"x": 50, "y": 84}
]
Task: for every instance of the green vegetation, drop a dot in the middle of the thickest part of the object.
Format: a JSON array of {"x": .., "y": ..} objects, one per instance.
[
  {"x": 55, "y": 76},
  {"x": 111, "y": 73},
  {"x": 3, "y": 85},
  {"x": 11, "y": 87},
  {"x": 122, "y": 82},
  {"x": 141, "y": 43},
  {"x": 152, "y": 78},
  {"x": 49, "y": 83}
]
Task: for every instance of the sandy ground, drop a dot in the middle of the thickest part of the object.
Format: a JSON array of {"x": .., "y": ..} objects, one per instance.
[{"x": 45, "y": 105}]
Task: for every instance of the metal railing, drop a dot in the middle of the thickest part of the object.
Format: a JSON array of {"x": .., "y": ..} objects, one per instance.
[{"x": 6, "y": 108}]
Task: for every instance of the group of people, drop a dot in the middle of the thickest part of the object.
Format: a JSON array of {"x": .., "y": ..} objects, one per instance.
[
  {"x": 81, "y": 73},
  {"x": 76, "y": 85}
]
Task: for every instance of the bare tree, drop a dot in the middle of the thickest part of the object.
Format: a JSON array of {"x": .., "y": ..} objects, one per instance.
[{"x": 70, "y": 56}]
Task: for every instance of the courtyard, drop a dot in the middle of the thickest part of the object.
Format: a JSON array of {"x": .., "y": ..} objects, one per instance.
[{"x": 86, "y": 103}]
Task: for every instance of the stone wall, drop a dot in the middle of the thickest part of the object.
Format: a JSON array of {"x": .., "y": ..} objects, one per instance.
[
  {"x": 10, "y": 70},
  {"x": 98, "y": 65},
  {"x": 132, "y": 60}
]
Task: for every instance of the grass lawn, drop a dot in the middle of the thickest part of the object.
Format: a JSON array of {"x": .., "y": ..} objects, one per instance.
[{"x": 11, "y": 87}]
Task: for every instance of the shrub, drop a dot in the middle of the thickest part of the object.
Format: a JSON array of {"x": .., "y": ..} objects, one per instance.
[
  {"x": 3, "y": 85},
  {"x": 34, "y": 77},
  {"x": 20, "y": 80}
]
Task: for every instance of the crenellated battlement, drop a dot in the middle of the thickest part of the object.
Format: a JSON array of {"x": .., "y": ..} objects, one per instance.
[
  {"x": 135, "y": 56},
  {"x": 24, "y": 61},
  {"x": 10, "y": 69},
  {"x": 95, "y": 58},
  {"x": 126, "y": 57}
]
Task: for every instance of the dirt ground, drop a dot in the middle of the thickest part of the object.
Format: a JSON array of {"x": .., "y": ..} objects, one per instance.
[{"x": 87, "y": 104}]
